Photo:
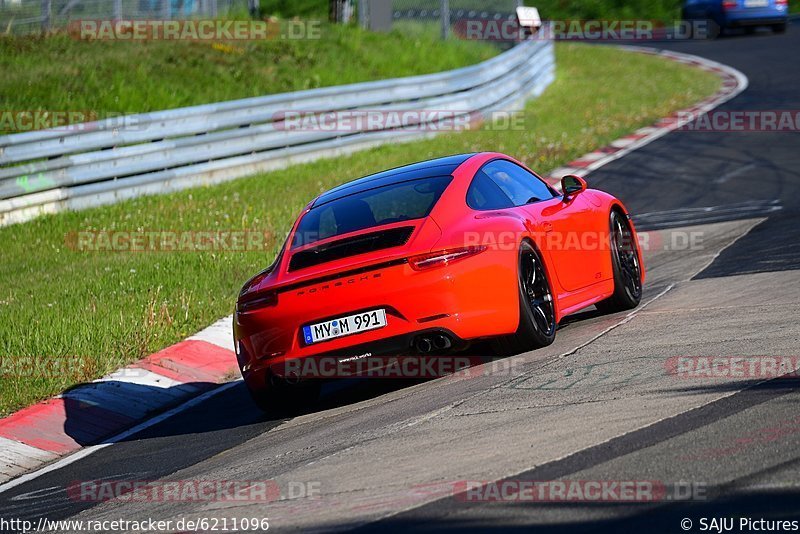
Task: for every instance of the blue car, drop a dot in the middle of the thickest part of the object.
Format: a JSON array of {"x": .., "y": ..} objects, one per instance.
[{"x": 745, "y": 14}]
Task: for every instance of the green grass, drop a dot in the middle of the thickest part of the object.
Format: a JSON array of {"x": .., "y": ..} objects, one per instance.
[
  {"x": 112, "y": 308},
  {"x": 63, "y": 74},
  {"x": 305, "y": 9}
]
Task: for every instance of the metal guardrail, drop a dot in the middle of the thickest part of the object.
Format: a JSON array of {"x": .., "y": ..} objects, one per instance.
[
  {"x": 107, "y": 161},
  {"x": 34, "y": 16}
]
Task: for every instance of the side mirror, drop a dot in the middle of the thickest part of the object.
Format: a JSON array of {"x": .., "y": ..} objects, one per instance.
[{"x": 572, "y": 185}]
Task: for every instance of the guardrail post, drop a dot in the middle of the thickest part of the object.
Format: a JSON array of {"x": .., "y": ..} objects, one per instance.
[
  {"x": 444, "y": 9},
  {"x": 363, "y": 17},
  {"x": 47, "y": 11},
  {"x": 379, "y": 15},
  {"x": 117, "y": 9}
]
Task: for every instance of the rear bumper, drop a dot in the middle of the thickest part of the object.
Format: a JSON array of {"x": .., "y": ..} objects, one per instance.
[
  {"x": 474, "y": 298},
  {"x": 366, "y": 359},
  {"x": 741, "y": 23},
  {"x": 758, "y": 17}
]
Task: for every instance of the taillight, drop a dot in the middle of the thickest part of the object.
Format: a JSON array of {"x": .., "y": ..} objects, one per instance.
[
  {"x": 781, "y": 2},
  {"x": 256, "y": 301},
  {"x": 442, "y": 257},
  {"x": 253, "y": 282},
  {"x": 730, "y": 4}
]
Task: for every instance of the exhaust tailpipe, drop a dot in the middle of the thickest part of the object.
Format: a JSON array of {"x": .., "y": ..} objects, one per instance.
[
  {"x": 423, "y": 344},
  {"x": 441, "y": 342},
  {"x": 292, "y": 378}
]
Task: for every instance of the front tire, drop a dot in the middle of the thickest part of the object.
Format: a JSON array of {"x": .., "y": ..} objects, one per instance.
[
  {"x": 625, "y": 264},
  {"x": 537, "y": 313}
]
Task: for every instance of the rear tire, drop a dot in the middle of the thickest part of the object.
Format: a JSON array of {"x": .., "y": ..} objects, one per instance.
[
  {"x": 779, "y": 28},
  {"x": 625, "y": 265},
  {"x": 537, "y": 316}
]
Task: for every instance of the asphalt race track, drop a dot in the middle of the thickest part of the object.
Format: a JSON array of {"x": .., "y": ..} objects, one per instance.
[{"x": 596, "y": 405}]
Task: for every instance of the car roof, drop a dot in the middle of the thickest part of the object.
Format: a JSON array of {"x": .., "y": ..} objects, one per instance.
[{"x": 424, "y": 169}]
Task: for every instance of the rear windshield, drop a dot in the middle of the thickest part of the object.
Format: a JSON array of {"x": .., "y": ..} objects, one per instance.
[{"x": 402, "y": 201}]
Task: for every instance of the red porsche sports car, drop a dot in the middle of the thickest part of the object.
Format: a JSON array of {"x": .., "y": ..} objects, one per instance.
[{"x": 427, "y": 258}]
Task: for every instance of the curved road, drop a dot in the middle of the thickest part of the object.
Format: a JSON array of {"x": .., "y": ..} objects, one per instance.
[{"x": 597, "y": 405}]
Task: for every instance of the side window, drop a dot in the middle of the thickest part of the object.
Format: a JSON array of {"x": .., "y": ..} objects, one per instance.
[
  {"x": 483, "y": 194},
  {"x": 327, "y": 223},
  {"x": 516, "y": 183}
]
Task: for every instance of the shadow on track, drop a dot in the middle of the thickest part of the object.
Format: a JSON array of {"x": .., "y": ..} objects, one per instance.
[
  {"x": 99, "y": 411},
  {"x": 576, "y": 518}
]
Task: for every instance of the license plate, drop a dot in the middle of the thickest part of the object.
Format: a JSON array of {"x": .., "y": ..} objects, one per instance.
[
  {"x": 344, "y": 326},
  {"x": 756, "y": 3}
]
